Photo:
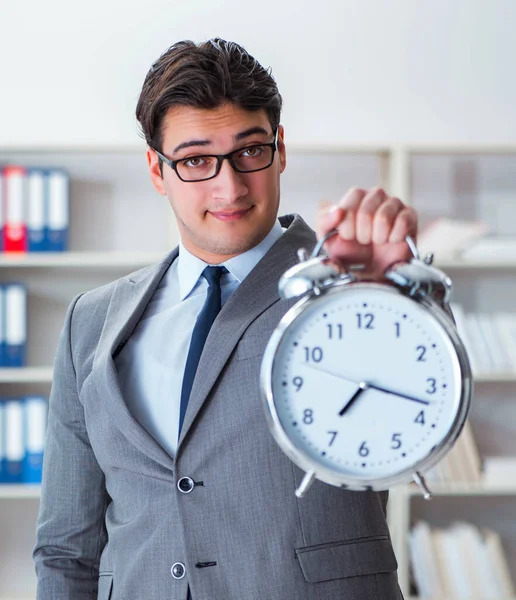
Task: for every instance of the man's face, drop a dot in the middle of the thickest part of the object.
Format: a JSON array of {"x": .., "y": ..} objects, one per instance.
[{"x": 233, "y": 212}]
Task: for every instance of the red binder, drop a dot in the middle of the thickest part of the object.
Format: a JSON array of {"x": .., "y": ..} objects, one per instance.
[{"x": 15, "y": 228}]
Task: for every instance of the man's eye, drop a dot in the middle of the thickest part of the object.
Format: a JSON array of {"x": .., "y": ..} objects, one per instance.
[
  {"x": 196, "y": 161},
  {"x": 252, "y": 152}
]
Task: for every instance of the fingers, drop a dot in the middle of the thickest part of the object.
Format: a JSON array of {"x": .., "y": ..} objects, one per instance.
[
  {"x": 374, "y": 217},
  {"x": 405, "y": 224},
  {"x": 368, "y": 217}
]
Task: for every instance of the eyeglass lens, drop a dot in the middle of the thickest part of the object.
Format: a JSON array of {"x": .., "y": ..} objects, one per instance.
[{"x": 246, "y": 161}]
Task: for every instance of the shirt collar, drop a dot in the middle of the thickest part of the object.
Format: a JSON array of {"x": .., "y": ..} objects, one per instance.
[{"x": 190, "y": 267}]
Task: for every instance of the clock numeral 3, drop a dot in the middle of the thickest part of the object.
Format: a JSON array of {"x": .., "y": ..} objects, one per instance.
[{"x": 432, "y": 385}]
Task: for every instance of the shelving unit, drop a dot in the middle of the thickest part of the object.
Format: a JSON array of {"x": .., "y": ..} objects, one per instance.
[{"x": 120, "y": 224}]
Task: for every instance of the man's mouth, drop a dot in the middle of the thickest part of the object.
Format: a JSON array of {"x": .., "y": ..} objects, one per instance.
[{"x": 230, "y": 215}]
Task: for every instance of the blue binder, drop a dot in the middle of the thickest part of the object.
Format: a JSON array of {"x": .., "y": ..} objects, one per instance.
[
  {"x": 2, "y": 441},
  {"x": 14, "y": 446},
  {"x": 57, "y": 210},
  {"x": 36, "y": 208},
  {"x": 35, "y": 425},
  {"x": 2, "y": 211},
  {"x": 15, "y": 320},
  {"x": 2, "y": 327}
]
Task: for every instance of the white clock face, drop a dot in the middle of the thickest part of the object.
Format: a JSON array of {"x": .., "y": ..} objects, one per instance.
[{"x": 365, "y": 383}]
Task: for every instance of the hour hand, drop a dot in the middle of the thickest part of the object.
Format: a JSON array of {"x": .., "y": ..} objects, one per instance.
[{"x": 362, "y": 386}]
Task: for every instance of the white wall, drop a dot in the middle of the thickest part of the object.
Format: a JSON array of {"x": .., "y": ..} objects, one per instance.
[{"x": 371, "y": 71}]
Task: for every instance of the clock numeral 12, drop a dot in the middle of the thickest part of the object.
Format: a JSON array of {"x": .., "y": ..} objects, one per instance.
[{"x": 365, "y": 321}]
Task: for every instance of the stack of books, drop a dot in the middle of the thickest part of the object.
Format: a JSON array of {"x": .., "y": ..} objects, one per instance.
[
  {"x": 34, "y": 209},
  {"x": 13, "y": 325},
  {"x": 460, "y": 562},
  {"x": 490, "y": 340},
  {"x": 462, "y": 464},
  {"x": 23, "y": 424}
]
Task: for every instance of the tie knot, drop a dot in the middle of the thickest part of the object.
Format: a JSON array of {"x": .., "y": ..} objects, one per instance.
[{"x": 213, "y": 275}]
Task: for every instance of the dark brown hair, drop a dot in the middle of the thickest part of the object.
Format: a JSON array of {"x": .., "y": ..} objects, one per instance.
[{"x": 204, "y": 75}]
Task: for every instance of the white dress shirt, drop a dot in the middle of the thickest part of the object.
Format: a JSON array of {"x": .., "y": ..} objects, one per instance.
[{"x": 151, "y": 364}]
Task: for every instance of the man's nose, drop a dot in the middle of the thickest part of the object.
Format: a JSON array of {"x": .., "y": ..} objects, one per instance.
[{"x": 229, "y": 185}]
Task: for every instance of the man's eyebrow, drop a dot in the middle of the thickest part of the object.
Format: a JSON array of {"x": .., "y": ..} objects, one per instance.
[
  {"x": 191, "y": 143},
  {"x": 239, "y": 136},
  {"x": 251, "y": 131}
]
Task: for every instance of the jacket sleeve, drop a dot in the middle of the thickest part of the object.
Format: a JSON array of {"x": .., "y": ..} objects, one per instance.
[{"x": 70, "y": 532}]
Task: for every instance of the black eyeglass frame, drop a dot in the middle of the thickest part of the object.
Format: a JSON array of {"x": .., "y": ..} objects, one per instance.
[{"x": 220, "y": 158}]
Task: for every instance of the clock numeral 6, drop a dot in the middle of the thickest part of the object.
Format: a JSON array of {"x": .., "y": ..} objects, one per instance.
[
  {"x": 363, "y": 450},
  {"x": 308, "y": 416},
  {"x": 396, "y": 442},
  {"x": 314, "y": 354}
]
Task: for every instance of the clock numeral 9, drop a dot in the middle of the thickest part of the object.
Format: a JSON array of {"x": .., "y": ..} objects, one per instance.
[
  {"x": 365, "y": 321},
  {"x": 308, "y": 416},
  {"x": 396, "y": 442},
  {"x": 298, "y": 382},
  {"x": 363, "y": 450},
  {"x": 314, "y": 354},
  {"x": 432, "y": 385}
]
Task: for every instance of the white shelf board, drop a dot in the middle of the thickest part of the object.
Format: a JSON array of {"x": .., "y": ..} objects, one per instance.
[
  {"x": 26, "y": 375},
  {"x": 464, "y": 489},
  {"x": 19, "y": 491},
  {"x": 471, "y": 265},
  {"x": 494, "y": 377},
  {"x": 100, "y": 260}
]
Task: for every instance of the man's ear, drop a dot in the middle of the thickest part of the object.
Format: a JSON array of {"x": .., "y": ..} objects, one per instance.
[
  {"x": 282, "y": 151},
  {"x": 154, "y": 172}
]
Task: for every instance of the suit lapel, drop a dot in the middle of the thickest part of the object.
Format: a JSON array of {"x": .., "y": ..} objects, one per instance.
[
  {"x": 254, "y": 295},
  {"x": 128, "y": 302}
]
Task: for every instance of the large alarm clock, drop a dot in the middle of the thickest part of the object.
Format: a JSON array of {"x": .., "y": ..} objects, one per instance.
[{"x": 366, "y": 385}]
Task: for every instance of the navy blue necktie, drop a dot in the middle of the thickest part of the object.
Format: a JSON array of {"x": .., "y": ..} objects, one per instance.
[{"x": 200, "y": 332}]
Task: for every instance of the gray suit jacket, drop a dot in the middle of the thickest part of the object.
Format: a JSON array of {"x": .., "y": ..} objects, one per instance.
[{"x": 112, "y": 520}]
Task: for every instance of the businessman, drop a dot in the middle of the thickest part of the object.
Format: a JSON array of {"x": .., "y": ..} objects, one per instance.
[{"x": 161, "y": 479}]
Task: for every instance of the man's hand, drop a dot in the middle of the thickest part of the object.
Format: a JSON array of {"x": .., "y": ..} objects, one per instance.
[{"x": 372, "y": 228}]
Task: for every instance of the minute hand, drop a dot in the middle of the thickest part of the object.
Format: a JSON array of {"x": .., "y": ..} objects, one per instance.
[
  {"x": 381, "y": 389},
  {"x": 369, "y": 385}
]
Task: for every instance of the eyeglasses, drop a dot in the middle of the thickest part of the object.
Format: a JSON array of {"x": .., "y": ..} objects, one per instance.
[{"x": 207, "y": 166}]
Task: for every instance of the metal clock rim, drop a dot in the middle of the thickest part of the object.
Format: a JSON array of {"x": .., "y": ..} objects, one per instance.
[{"x": 306, "y": 463}]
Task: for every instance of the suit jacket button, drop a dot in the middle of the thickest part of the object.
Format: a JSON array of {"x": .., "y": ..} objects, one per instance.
[
  {"x": 185, "y": 485},
  {"x": 178, "y": 570}
]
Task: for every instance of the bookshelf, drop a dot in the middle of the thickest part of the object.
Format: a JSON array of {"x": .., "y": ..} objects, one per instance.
[{"x": 120, "y": 224}]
